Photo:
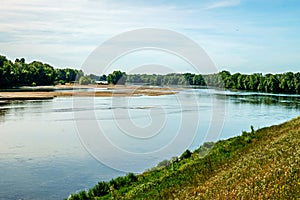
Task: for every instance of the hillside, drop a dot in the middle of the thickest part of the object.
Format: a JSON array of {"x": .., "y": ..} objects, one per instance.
[{"x": 262, "y": 164}]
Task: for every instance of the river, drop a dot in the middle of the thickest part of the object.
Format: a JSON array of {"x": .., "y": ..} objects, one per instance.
[{"x": 50, "y": 148}]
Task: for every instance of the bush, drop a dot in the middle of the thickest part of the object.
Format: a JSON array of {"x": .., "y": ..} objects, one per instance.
[
  {"x": 186, "y": 154},
  {"x": 100, "y": 189},
  {"x": 163, "y": 163}
]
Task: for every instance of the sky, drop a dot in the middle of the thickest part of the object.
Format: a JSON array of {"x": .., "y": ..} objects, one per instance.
[{"x": 238, "y": 35}]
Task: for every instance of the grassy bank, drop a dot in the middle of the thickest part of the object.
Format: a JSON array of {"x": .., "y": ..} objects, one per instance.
[{"x": 262, "y": 164}]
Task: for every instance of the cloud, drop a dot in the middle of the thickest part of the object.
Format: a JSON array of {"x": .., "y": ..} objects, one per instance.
[
  {"x": 65, "y": 32},
  {"x": 222, "y": 4},
  {"x": 40, "y": 24}
]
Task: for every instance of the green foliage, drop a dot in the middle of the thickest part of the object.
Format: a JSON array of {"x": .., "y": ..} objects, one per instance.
[
  {"x": 169, "y": 79},
  {"x": 35, "y": 73},
  {"x": 107, "y": 188},
  {"x": 117, "y": 77},
  {"x": 101, "y": 189},
  {"x": 205, "y": 148},
  {"x": 68, "y": 75},
  {"x": 260, "y": 164},
  {"x": 164, "y": 163},
  {"x": 85, "y": 80},
  {"x": 122, "y": 181},
  {"x": 94, "y": 77},
  {"x": 275, "y": 83},
  {"x": 186, "y": 154},
  {"x": 21, "y": 73},
  {"x": 102, "y": 78}
]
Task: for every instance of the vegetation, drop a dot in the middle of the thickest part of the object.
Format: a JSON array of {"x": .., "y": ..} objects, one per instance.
[
  {"x": 168, "y": 79},
  {"x": 262, "y": 164},
  {"x": 275, "y": 83},
  {"x": 85, "y": 80},
  {"x": 36, "y": 73},
  {"x": 117, "y": 77}
]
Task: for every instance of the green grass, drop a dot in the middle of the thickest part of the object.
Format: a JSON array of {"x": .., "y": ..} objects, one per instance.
[{"x": 262, "y": 164}]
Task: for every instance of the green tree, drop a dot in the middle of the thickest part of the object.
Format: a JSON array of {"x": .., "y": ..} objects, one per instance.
[
  {"x": 102, "y": 78},
  {"x": 85, "y": 80},
  {"x": 117, "y": 77}
]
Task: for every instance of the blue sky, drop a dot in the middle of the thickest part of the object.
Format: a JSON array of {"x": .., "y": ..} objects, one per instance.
[{"x": 239, "y": 35}]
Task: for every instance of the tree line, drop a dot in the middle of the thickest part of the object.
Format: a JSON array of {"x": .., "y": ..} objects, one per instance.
[
  {"x": 288, "y": 82},
  {"x": 19, "y": 73}
]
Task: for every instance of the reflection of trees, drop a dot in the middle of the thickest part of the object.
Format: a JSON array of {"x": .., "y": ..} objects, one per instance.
[
  {"x": 286, "y": 101},
  {"x": 3, "y": 111},
  {"x": 6, "y": 108}
]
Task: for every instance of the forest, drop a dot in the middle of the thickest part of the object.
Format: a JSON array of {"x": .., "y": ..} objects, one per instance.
[
  {"x": 288, "y": 82},
  {"x": 20, "y": 73}
]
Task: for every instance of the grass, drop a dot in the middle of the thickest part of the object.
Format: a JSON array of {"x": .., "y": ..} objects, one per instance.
[{"x": 262, "y": 164}]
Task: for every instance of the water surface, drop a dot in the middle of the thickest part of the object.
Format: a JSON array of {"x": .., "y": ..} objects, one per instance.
[{"x": 42, "y": 156}]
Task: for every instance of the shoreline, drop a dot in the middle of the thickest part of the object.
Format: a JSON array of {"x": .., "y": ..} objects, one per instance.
[
  {"x": 217, "y": 168},
  {"x": 71, "y": 90},
  {"x": 50, "y": 92}
]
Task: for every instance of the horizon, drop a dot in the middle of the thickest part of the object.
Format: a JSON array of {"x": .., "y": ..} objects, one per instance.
[{"x": 136, "y": 72}]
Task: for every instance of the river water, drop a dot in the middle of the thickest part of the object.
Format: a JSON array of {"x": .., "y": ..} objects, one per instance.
[{"x": 51, "y": 148}]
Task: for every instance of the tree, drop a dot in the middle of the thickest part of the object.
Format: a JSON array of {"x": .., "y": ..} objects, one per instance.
[
  {"x": 85, "y": 80},
  {"x": 102, "y": 78},
  {"x": 117, "y": 77},
  {"x": 101, "y": 189},
  {"x": 7, "y": 78},
  {"x": 94, "y": 77},
  {"x": 2, "y": 60},
  {"x": 186, "y": 154}
]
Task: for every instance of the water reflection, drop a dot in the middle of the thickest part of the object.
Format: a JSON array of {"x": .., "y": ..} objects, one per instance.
[
  {"x": 3, "y": 110},
  {"x": 2, "y": 114},
  {"x": 287, "y": 101}
]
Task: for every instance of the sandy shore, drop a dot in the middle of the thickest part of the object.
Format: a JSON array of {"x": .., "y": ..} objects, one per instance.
[{"x": 49, "y": 92}]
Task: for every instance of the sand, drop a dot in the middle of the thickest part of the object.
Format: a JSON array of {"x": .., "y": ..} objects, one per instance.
[{"x": 49, "y": 92}]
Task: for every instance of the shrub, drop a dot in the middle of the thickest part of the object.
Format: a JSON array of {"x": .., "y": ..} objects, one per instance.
[
  {"x": 186, "y": 154},
  {"x": 100, "y": 189}
]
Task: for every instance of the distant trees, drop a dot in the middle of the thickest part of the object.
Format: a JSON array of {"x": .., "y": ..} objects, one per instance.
[
  {"x": 67, "y": 75},
  {"x": 168, "y": 79},
  {"x": 102, "y": 78},
  {"x": 275, "y": 83},
  {"x": 94, "y": 77},
  {"x": 117, "y": 77},
  {"x": 85, "y": 80},
  {"x": 35, "y": 73},
  {"x": 20, "y": 73}
]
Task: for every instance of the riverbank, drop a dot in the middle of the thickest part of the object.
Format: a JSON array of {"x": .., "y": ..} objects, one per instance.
[
  {"x": 262, "y": 164},
  {"x": 49, "y": 92}
]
